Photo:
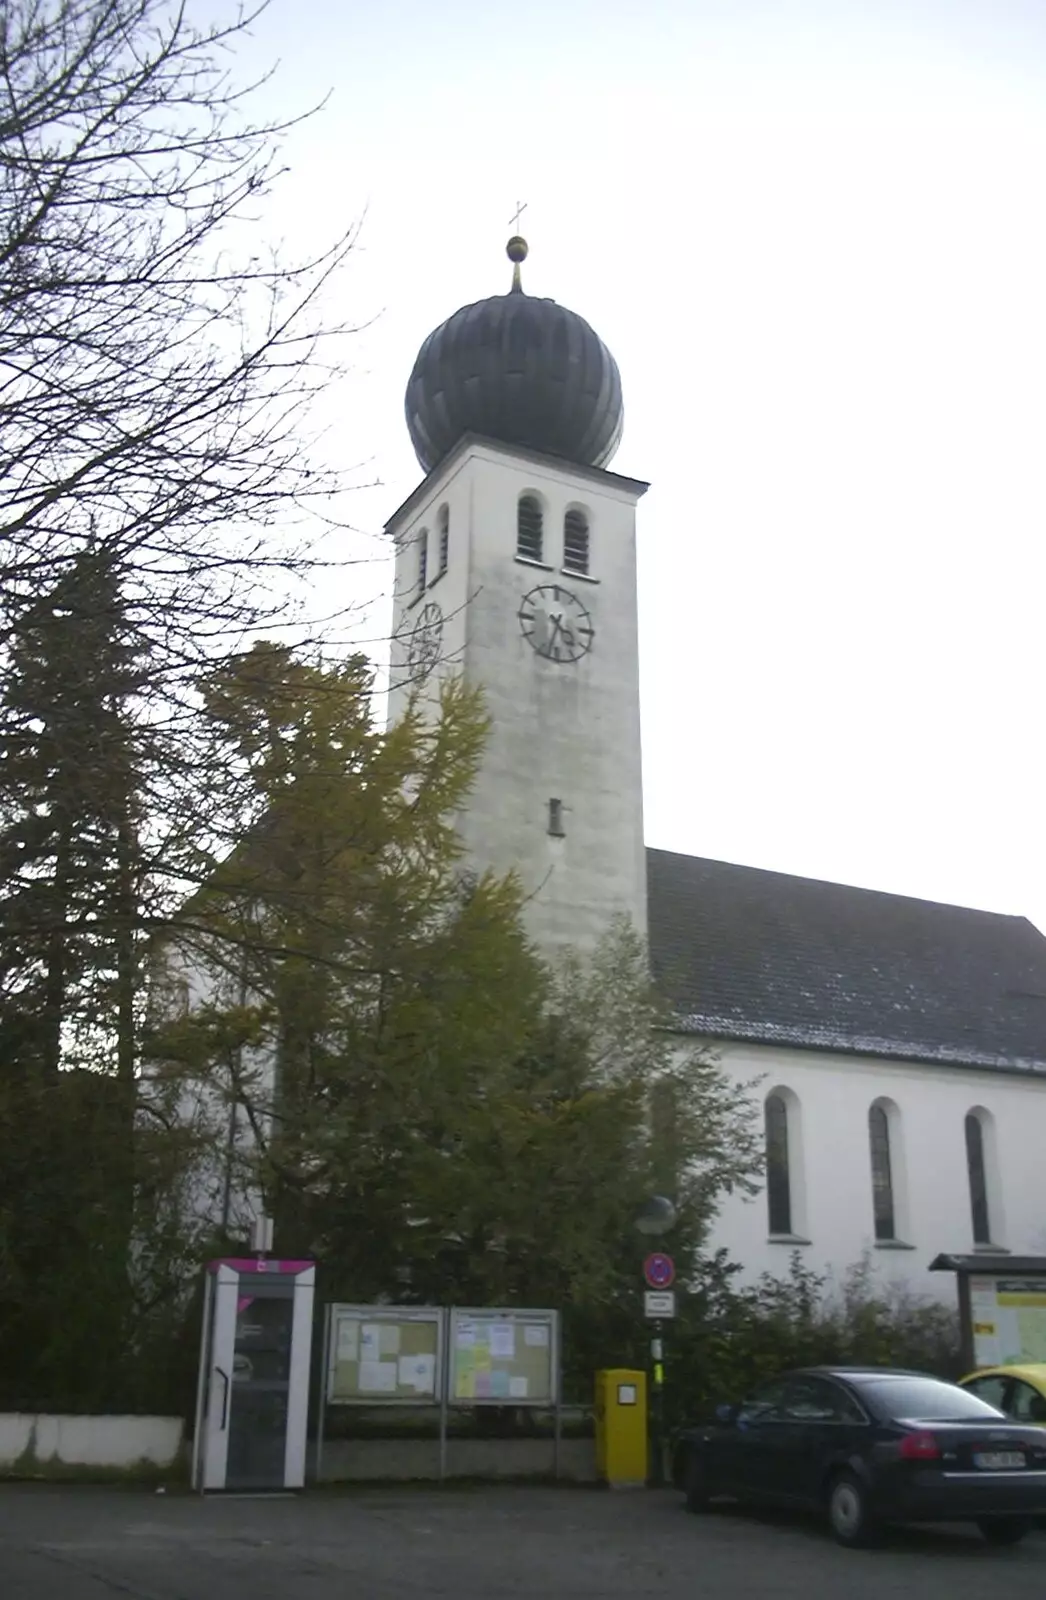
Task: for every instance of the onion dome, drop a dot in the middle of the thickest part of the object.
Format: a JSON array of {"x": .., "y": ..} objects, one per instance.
[{"x": 518, "y": 370}]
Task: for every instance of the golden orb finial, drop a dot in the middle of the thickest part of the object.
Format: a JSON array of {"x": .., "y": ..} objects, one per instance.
[{"x": 517, "y": 251}]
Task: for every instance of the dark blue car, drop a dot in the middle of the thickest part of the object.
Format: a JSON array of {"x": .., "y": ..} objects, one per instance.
[{"x": 867, "y": 1447}]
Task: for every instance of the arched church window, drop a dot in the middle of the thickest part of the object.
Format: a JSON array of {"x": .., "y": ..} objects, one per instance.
[
  {"x": 444, "y": 539},
  {"x": 530, "y": 528},
  {"x": 778, "y": 1172},
  {"x": 882, "y": 1173},
  {"x": 423, "y": 559},
  {"x": 977, "y": 1171},
  {"x": 575, "y": 541}
]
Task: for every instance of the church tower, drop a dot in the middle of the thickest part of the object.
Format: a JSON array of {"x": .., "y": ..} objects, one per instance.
[{"x": 516, "y": 567}]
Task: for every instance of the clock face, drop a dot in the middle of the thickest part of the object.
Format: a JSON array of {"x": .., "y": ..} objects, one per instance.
[
  {"x": 423, "y": 645},
  {"x": 555, "y": 623}
]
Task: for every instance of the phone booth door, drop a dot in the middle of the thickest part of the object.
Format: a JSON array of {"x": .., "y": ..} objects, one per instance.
[{"x": 252, "y": 1407}]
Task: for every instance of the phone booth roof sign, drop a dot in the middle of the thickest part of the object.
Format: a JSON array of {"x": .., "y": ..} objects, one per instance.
[{"x": 259, "y": 1264}]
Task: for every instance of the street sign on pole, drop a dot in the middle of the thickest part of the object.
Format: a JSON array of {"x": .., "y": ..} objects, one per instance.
[
  {"x": 659, "y": 1302},
  {"x": 659, "y": 1270}
]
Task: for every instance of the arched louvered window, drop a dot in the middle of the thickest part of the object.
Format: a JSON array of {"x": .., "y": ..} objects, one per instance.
[
  {"x": 778, "y": 1171},
  {"x": 977, "y": 1172},
  {"x": 530, "y": 528},
  {"x": 444, "y": 539},
  {"x": 575, "y": 541},
  {"x": 423, "y": 559},
  {"x": 882, "y": 1173}
]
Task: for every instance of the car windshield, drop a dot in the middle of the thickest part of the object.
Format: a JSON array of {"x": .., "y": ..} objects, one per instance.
[{"x": 928, "y": 1400}]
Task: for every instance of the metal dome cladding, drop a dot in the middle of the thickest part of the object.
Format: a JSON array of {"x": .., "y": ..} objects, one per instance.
[{"x": 519, "y": 370}]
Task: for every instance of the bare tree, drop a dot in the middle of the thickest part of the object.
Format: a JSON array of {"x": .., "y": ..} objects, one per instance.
[
  {"x": 156, "y": 373},
  {"x": 157, "y": 482},
  {"x": 152, "y": 380}
]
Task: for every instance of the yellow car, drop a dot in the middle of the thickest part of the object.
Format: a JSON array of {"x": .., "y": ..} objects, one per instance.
[{"x": 1018, "y": 1391}]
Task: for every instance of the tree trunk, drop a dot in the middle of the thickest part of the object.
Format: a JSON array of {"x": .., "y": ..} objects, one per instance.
[{"x": 57, "y": 938}]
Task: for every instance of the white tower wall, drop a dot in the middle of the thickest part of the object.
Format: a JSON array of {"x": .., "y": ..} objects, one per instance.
[{"x": 559, "y": 796}]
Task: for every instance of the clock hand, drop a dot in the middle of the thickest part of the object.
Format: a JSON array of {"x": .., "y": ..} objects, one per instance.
[{"x": 564, "y": 632}]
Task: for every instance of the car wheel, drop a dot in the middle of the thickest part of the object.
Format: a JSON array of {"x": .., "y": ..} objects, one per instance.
[
  {"x": 1004, "y": 1530},
  {"x": 679, "y": 1458},
  {"x": 695, "y": 1483},
  {"x": 850, "y": 1516}
]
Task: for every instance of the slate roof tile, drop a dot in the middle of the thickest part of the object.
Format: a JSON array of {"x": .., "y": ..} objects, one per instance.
[{"x": 746, "y": 954}]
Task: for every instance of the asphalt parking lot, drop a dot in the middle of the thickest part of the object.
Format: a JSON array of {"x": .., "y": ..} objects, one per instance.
[{"x": 527, "y": 1544}]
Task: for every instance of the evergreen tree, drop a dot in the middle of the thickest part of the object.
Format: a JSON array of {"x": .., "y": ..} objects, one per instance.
[
  {"x": 70, "y": 806},
  {"x": 71, "y": 767},
  {"x": 433, "y": 1113},
  {"x": 158, "y": 369}
]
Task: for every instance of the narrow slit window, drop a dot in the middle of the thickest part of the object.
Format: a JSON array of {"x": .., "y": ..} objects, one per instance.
[
  {"x": 575, "y": 542},
  {"x": 444, "y": 539},
  {"x": 423, "y": 559},
  {"x": 530, "y": 528},
  {"x": 978, "y": 1176},
  {"x": 555, "y": 819},
  {"x": 882, "y": 1174},
  {"x": 778, "y": 1175}
]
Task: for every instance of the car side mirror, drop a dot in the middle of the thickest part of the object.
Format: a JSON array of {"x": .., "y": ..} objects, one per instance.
[{"x": 726, "y": 1413}]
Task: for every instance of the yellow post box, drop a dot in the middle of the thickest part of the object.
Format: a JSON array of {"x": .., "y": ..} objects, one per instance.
[{"x": 622, "y": 1450}]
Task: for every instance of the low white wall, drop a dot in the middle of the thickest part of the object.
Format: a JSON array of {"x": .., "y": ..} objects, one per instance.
[
  {"x": 35, "y": 1440},
  {"x": 382, "y": 1460}
]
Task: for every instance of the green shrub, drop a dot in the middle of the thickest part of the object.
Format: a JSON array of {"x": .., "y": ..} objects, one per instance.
[{"x": 728, "y": 1337}]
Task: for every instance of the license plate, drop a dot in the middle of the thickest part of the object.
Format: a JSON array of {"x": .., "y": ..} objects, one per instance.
[{"x": 999, "y": 1460}]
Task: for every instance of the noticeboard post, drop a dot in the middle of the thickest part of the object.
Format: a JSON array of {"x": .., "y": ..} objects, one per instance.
[
  {"x": 503, "y": 1357},
  {"x": 1008, "y": 1320},
  {"x": 382, "y": 1355},
  {"x": 1002, "y": 1307},
  {"x": 379, "y": 1356}
]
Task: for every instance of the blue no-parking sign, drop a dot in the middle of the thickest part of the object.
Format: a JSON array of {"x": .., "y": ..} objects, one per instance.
[{"x": 659, "y": 1270}]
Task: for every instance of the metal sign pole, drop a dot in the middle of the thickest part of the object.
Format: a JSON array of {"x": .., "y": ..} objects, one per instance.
[
  {"x": 659, "y": 1271},
  {"x": 657, "y": 1351},
  {"x": 445, "y": 1370},
  {"x": 969, "y": 1359},
  {"x": 321, "y": 1425},
  {"x": 443, "y": 1438},
  {"x": 557, "y": 1416}
]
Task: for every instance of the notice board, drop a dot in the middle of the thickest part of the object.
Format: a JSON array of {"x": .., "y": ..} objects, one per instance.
[
  {"x": 377, "y": 1354},
  {"x": 503, "y": 1357},
  {"x": 1009, "y": 1320}
]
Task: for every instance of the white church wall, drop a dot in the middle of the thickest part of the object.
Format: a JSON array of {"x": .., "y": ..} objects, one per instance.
[
  {"x": 829, "y": 1097},
  {"x": 214, "y": 1190}
]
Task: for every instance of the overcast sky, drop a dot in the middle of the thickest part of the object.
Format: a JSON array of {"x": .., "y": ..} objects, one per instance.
[{"x": 811, "y": 232}]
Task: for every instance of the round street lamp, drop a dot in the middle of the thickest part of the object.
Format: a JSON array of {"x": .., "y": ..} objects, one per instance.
[{"x": 655, "y": 1217}]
